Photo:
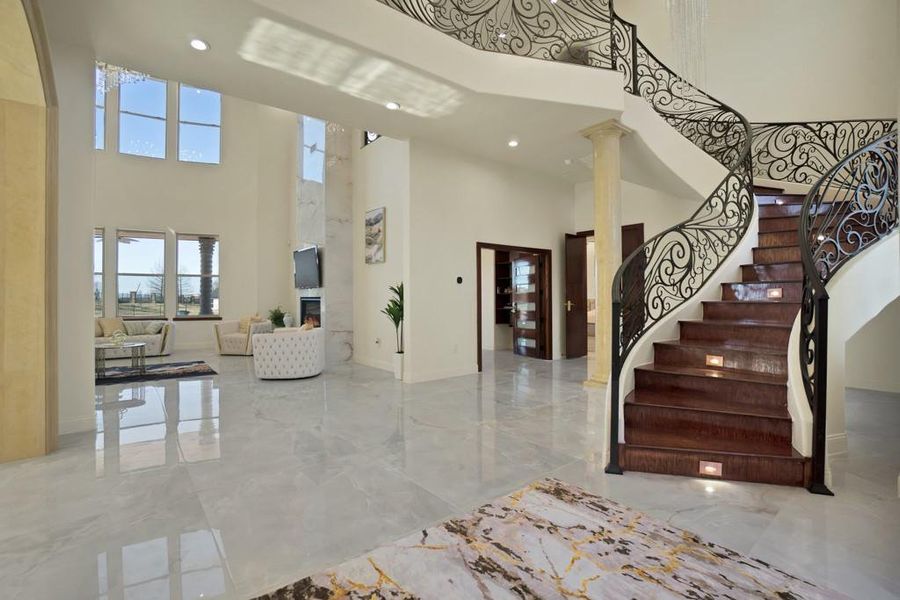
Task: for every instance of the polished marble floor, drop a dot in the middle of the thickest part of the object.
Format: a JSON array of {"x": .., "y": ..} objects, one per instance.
[{"x": 230, "y": 487}]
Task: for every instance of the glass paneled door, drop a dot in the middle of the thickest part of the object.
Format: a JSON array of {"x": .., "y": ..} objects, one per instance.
[{"x": 526, "y": 299}]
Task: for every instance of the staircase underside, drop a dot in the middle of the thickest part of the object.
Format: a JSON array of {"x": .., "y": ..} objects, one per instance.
[{"x": 714, "y": 402}]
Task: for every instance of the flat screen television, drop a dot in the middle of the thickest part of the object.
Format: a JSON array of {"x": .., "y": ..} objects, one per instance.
[{"x": 307, "y": 273}]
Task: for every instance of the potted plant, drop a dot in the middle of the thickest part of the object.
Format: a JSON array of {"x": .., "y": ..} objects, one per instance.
[
  {"x": 276, "y": 315},
  {"x": 394, "y": 312}
]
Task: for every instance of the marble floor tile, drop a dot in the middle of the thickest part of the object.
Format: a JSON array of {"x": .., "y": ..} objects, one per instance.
[{"x": 228, "y": 486}]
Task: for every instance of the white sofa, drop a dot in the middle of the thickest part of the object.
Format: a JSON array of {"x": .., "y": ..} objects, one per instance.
[
  {"x": 230, "y": 339},
  {"x": 158, "y": 344},
  {"x": 289, "y": 354}
]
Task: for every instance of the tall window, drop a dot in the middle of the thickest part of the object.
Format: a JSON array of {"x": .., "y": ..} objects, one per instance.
[
  {"x": 141, "y": 274},
  {"x": 142, "y": 118},
  {"x": 98, "y": 272},
  {"x": 312, "y": 160},
  {"x": 199, "y": 125},
  {"x": 99, "y": 111},
  {"x": 198, "y": 275}
]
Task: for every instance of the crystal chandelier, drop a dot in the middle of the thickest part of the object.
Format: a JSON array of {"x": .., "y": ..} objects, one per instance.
[
  {"x": 687, "y": 27},
  {"x": 110, "y": 76}
]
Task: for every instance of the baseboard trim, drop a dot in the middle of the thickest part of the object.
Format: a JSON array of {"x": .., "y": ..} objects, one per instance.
[
  {"x": 78, "y": 424},
  {"x": 372, "y": 362},
  {"x": 836, "y": 444}
]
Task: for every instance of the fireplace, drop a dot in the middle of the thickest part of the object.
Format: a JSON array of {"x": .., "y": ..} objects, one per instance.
[{"x": 311, "y": 309}]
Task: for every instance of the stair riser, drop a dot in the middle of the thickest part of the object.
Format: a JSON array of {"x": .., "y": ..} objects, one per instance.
[
  {"x": 677, "y": 428},
  {"x": 759, "y": 469},
  {"x": 736, "y": 393},
  {"x": 779, "y": 238},
  {"x": 782, "y": 272},
  {"x": 743, "y": 360},
  {"x": 790, "y": 292},
  {"x": 767, "y": 256},
  {"x": 780, "y": 224},
  {"x": 747, "y": 335}
]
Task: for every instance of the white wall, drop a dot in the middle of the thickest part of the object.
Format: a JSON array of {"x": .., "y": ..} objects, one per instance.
[
  {"x": 380, "y": 178},
  {"x": 785, "y": 60},
  {"x": 74, "y": 74},
  {"x": 873, "y": 354},
  {"x": 245, "y": 200},
  {"x": 456, "y": 201},
  {"x": 655, "y": 209}
]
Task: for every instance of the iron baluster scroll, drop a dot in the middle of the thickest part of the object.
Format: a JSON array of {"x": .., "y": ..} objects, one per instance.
[
  {"x": 852, "y": 207},
  {"x": 576, "y": 31},
  {"x": 804, "y": 152}
]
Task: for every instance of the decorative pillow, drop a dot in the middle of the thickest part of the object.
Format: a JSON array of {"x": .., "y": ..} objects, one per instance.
[
  {"x": 98, "y": 331},
  {"x": 244, "y": 326},
  {"x": 135, "y": 327},
  {"x": 110, "y": 325},
  {"x": 154, "y": 327}
]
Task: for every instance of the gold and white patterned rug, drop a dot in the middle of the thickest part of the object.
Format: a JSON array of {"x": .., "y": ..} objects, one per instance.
[{"x": 553, "y": 540}]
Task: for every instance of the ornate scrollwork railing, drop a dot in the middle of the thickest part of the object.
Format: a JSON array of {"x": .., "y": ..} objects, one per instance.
[
  {"x": 804, "y": 152},
  {"x": 851, "y": 207},
  {"x": 576, "y": 31},
  {"x": 674, "y": 265}
]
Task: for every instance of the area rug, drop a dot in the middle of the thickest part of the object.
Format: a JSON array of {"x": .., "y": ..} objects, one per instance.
[
  {"x": 194, "y": 368},
  {"x": 553, "y": 540}
]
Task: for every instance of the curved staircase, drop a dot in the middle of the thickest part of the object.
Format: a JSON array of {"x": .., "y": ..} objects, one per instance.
[{"x": 718, "y": 394}]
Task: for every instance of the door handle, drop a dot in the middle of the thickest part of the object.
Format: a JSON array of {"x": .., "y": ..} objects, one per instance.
[{"x": 569, "y": 305}]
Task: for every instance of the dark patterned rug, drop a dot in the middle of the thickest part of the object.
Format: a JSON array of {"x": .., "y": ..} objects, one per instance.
[
  {"x": 194, "y": 368},
  {"x": 553, "y": 540}
]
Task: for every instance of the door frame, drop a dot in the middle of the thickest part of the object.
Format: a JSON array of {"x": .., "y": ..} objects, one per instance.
[{"x": 547, "y": 284}]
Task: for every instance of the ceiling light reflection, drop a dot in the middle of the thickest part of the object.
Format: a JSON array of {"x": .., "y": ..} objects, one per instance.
[{"x": 332, "y": 64}]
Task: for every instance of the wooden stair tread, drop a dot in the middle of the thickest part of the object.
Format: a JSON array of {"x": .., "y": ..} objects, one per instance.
[
  {"x": 725, "y": 347},
  {"x": 724, "y": 374},
  {"x": 751, "y": 301},
  {"x": 767, "y": 282},
  {"x": 703, "y": 403},
  {"x": 738, "y": 323}
]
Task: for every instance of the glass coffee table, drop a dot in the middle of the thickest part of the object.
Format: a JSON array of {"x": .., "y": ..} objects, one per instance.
[{"x": 138, "y": 357}]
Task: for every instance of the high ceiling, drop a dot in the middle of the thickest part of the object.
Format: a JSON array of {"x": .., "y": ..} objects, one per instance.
[{"x": 342, "y": 60}]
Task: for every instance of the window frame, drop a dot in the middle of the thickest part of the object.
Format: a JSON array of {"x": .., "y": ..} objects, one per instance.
[
  {"x": 101, "y": 233},
  {"x": 164, "y": 119},
  {"x": 138, "y": 233},
  {"x": 304, "y": 147},
  {"x": 196, "y": 124},
  {"x": 216, "y": 275}
]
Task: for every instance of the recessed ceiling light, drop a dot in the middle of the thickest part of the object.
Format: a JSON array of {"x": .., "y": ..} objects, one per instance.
[
  {"x": 512, "y": 143},
  {"x": 392, "y": 106},
  {"x": 198, "y": 44}
]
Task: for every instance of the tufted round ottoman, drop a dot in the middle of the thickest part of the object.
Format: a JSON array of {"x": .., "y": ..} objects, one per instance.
[{"x": 289, "y": 355}]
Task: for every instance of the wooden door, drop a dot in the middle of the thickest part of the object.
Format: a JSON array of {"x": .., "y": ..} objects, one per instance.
[
  {"x": 632, "y": 238},
  {"x": 576, "y": 295},
  {"x": 526, "y": 300}
]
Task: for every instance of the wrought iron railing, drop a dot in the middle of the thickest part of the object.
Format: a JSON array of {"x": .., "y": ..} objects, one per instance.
[
  {"x": 576, "y": 31},
  {"x": 851, "y": 207},
  {"x": 671, "y": 267},
  {"x": 804, "y": 152}
]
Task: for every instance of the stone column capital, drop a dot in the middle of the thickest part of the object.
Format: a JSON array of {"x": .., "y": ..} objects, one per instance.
[{"x": 608, "y": 128}]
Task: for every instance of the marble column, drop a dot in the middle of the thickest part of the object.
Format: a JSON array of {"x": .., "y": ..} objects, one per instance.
[{"x": 605, "y": 138}]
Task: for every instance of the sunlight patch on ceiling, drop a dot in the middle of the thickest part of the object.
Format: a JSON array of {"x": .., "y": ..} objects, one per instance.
[{"x": 289, "y": 50}]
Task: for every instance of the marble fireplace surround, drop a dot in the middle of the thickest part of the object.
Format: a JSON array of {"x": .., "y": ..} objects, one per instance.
[{"x": 324, "y": 219}]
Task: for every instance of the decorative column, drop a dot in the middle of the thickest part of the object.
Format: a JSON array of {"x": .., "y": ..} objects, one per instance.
[{"x": 607, "y": 234}]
